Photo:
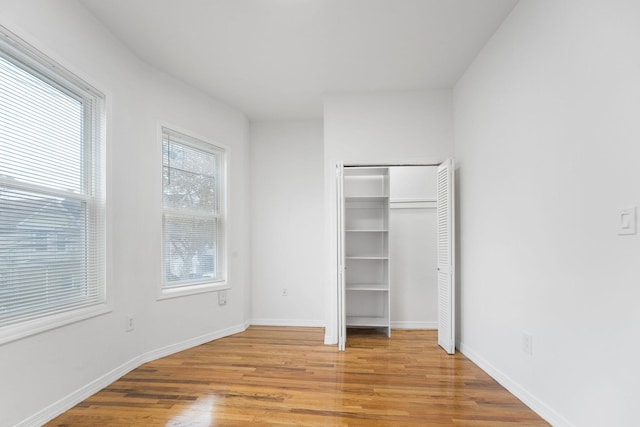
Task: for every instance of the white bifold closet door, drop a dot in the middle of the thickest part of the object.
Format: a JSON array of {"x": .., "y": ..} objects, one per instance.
[
  {"x": 342, "y": 316},
  {"x": 446, "y": 257}
]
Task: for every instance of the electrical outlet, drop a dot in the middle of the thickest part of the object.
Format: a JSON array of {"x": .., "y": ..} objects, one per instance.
[
  {"x": 222, "y": 298},
  {"x": 284, "y": 292},
  {"x": 527, "y": 343},
  {"x": 129, "y": 325}
]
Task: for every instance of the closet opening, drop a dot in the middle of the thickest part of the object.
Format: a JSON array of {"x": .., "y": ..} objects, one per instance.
[{"x": 395, "y": 249}]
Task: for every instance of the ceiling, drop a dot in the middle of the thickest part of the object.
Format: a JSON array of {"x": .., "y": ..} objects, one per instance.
[{"x": 275, "y": 59}]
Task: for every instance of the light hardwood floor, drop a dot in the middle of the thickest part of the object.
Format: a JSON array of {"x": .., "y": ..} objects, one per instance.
[{"x": 286, "y": 377}]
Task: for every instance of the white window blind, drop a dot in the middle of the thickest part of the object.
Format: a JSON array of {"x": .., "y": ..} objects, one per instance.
[
  {"x": 51, "y": 188},
  {"x": 193, "y": 219}
]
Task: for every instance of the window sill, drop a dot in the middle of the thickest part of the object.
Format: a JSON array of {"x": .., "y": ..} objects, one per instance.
[
  {"x": 199, "y": 288},
  {"x": 35, "y": 326}
]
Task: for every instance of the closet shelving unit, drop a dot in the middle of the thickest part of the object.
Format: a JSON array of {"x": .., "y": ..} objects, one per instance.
[{"x": 367, "y": 284}]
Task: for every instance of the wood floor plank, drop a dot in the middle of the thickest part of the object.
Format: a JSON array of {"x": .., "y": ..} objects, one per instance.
[{"x": 281, "y": 376}]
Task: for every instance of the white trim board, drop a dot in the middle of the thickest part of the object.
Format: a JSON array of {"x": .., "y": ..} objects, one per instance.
[
  {"x": 84, "y": 392},
  {"x": 288, "y": 322},
  {"x": 190, "y": 343},
  {"x": 536, "y": 405},
  {"x": 403, "y": 324},
  {"x": 50, "y": 412},
  {"x": 330, "y": 339}
]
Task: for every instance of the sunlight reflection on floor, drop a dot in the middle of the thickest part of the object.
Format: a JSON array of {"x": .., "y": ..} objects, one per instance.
[{"x": 200, "y": 413}]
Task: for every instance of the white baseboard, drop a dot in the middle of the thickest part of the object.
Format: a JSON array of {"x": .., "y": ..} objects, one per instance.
[
  {"x": 539, "y": 407},
  {"x": 330, "y": 340},
  {"x": 184, "y": 345},
  {"x": 401, "y": 324},
  {"x": 71, "y": 400},
  {"x": 289, "y": 322}
]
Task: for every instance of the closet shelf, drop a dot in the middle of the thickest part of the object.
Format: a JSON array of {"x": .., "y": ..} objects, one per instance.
[
  {"x": 360, "y": 321},
  {"x": 366, "y": 199},
  {"x": 367, "y": 231},
  {"x": 367, "y": 257},
  {"x": 378, "y": 287}
]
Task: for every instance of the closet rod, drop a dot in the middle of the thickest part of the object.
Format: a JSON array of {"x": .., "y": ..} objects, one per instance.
[{"x": 373, "y": 165}]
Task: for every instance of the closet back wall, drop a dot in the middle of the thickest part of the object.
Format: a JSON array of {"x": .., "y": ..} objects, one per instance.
[{"x": 413, "y": 234}]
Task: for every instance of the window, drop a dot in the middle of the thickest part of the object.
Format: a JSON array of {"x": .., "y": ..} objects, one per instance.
[
  {"x": 52, "y": 226},
  {"x": 193, "y": 184}
]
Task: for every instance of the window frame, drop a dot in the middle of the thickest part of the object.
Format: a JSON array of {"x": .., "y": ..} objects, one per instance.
[
  {"x": 39, "y": 65},
  {"x": 199, "y": 142}
]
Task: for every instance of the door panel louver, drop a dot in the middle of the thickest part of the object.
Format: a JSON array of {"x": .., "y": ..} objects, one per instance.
[{"x": 446, "y": 290}]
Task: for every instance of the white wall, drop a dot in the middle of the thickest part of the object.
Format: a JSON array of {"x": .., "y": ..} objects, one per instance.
[
  {"x": 63, "y": 365},
  {"x": 287, "y": 223},
  {"x": 547, "y": 142},
  {"x": 382, "y": 127},
  {"x": 389, "y": 126}
]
